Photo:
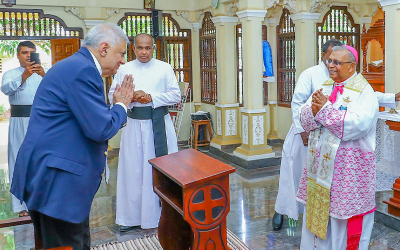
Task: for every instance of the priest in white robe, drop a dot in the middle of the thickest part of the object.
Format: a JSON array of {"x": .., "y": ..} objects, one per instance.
[
  {"x": 20, "y": 84},
  {"x": 156, "y": 88},
  {"x": 295, "y": 145},
  {"x": 338, "y": 180}
]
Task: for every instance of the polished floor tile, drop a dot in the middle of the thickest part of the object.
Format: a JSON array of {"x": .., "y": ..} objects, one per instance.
[{"x": 252, "y": 193}]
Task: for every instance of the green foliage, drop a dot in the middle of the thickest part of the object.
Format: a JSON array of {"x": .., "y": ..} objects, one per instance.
[
  {"x": 10, "y": 245},
  {"x": 45, "y": 45},
  {"x": 8, "y": 48},
  {"x": 2, "y": 109}
]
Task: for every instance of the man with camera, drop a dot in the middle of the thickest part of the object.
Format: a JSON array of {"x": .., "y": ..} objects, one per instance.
[{"x": 20, "y": 84}]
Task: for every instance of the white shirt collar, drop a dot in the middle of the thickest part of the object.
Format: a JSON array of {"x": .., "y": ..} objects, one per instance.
[
  {"x": 148, "y": 64},
  {"x": 96, "y": 62}
]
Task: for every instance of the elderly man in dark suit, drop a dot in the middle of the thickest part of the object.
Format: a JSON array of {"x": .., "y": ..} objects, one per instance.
[{"x": 60, "y": 163}]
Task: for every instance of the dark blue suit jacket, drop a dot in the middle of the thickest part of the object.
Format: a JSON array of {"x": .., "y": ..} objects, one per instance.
[{"x": 59, "y": 165}]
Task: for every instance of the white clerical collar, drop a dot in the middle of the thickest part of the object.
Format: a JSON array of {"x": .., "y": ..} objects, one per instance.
[
  {"x": 96, "y": 62},
  {"x": 147, "y": 64}
]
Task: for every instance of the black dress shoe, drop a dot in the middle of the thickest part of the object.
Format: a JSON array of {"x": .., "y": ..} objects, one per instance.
[
  {"x": 126, "y": 228},
  {"x": 277, "y": 221}
]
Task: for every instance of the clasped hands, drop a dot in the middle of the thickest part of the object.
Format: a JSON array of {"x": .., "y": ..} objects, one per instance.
[
  {"x": 318, "y": 101},
  {"x": 141, "y": 97},
  {"x": 126, "y": 93}
]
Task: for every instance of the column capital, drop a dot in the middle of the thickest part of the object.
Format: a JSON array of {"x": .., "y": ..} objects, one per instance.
[
  {"x": 366, "y": 19},
  {"x": 225, "y": 19},
  {"x": 269, "y": 79},
  {"x": 232, "y": 105},
  {"x": 305, "y": 15},
  {"x": 385, "y": 3},
  {"x": 251, "y": 13},
  {"x": 195, "y": 26},
  {"x": 91, "y": 23},
  {"x": 253, "y": 111}
]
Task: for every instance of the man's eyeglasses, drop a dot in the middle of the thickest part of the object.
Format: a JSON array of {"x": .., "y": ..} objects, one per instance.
[{"x": 335, "y": 62}]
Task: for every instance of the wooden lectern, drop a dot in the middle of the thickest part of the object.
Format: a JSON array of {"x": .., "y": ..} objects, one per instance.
[
  {"x": 194, "y": 190},
  {"x": 394, "y": 202}
]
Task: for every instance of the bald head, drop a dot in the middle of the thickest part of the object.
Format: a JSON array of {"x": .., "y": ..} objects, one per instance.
[
  {"x": 144, "y": 36},
  {"x": 143, "y": 46}
]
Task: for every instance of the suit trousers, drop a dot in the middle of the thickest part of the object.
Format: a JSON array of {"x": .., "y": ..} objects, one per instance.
[{"x": 57, "y": 233}]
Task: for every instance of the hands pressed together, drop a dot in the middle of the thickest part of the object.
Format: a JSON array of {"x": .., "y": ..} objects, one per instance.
[
  {"x": 124, "y": 93},
  {"x": 318, "y": 101}
]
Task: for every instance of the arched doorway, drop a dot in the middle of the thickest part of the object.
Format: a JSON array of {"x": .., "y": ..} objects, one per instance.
[
  {"x": 174, "y": 47},
  {"x": 338, "y": 24},
  {"x": 33, "y": 24}
]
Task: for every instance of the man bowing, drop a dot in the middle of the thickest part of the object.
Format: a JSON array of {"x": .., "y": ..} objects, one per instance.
[{"x": 60, "y": 163}]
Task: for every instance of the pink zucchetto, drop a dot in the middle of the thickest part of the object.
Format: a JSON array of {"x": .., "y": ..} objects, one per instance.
[{"x": 353, "y": 51}]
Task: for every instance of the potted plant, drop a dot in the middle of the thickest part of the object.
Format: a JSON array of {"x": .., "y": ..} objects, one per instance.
[{"x": 2, "y": 111}]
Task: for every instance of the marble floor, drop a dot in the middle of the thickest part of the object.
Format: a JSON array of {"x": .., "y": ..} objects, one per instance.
[{"x": 253, "y": 194}]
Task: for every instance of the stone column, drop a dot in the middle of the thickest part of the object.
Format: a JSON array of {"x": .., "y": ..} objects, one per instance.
[
  {"x": 272, "y": 135},
  {"x": 196, "y": 84},
  {"x": 253, "y": 115},
  {"x": 365, "y": 21},
  {"x": 392, "y": 52},
  {"x": 305, "y": 40},
  {"x": 227, "y": 107}
]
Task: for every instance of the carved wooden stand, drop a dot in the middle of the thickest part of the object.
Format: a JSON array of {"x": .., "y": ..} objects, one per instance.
[
  {"x": 394, "y": 202},
  {"x": 194, "y": 190}
]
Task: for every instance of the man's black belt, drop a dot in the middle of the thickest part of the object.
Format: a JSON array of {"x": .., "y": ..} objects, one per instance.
[
  {"x": 157, "y": 117},
  {"x": 21, "y": 110}
]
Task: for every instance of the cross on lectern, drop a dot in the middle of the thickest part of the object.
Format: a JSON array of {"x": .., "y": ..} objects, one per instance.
[
  {"x": 194, "y": 190},
  {"x": 207, "y": 204}
]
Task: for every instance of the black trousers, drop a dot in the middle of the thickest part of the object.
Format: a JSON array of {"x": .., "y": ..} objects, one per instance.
[{"x": 58, "y": 233}]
